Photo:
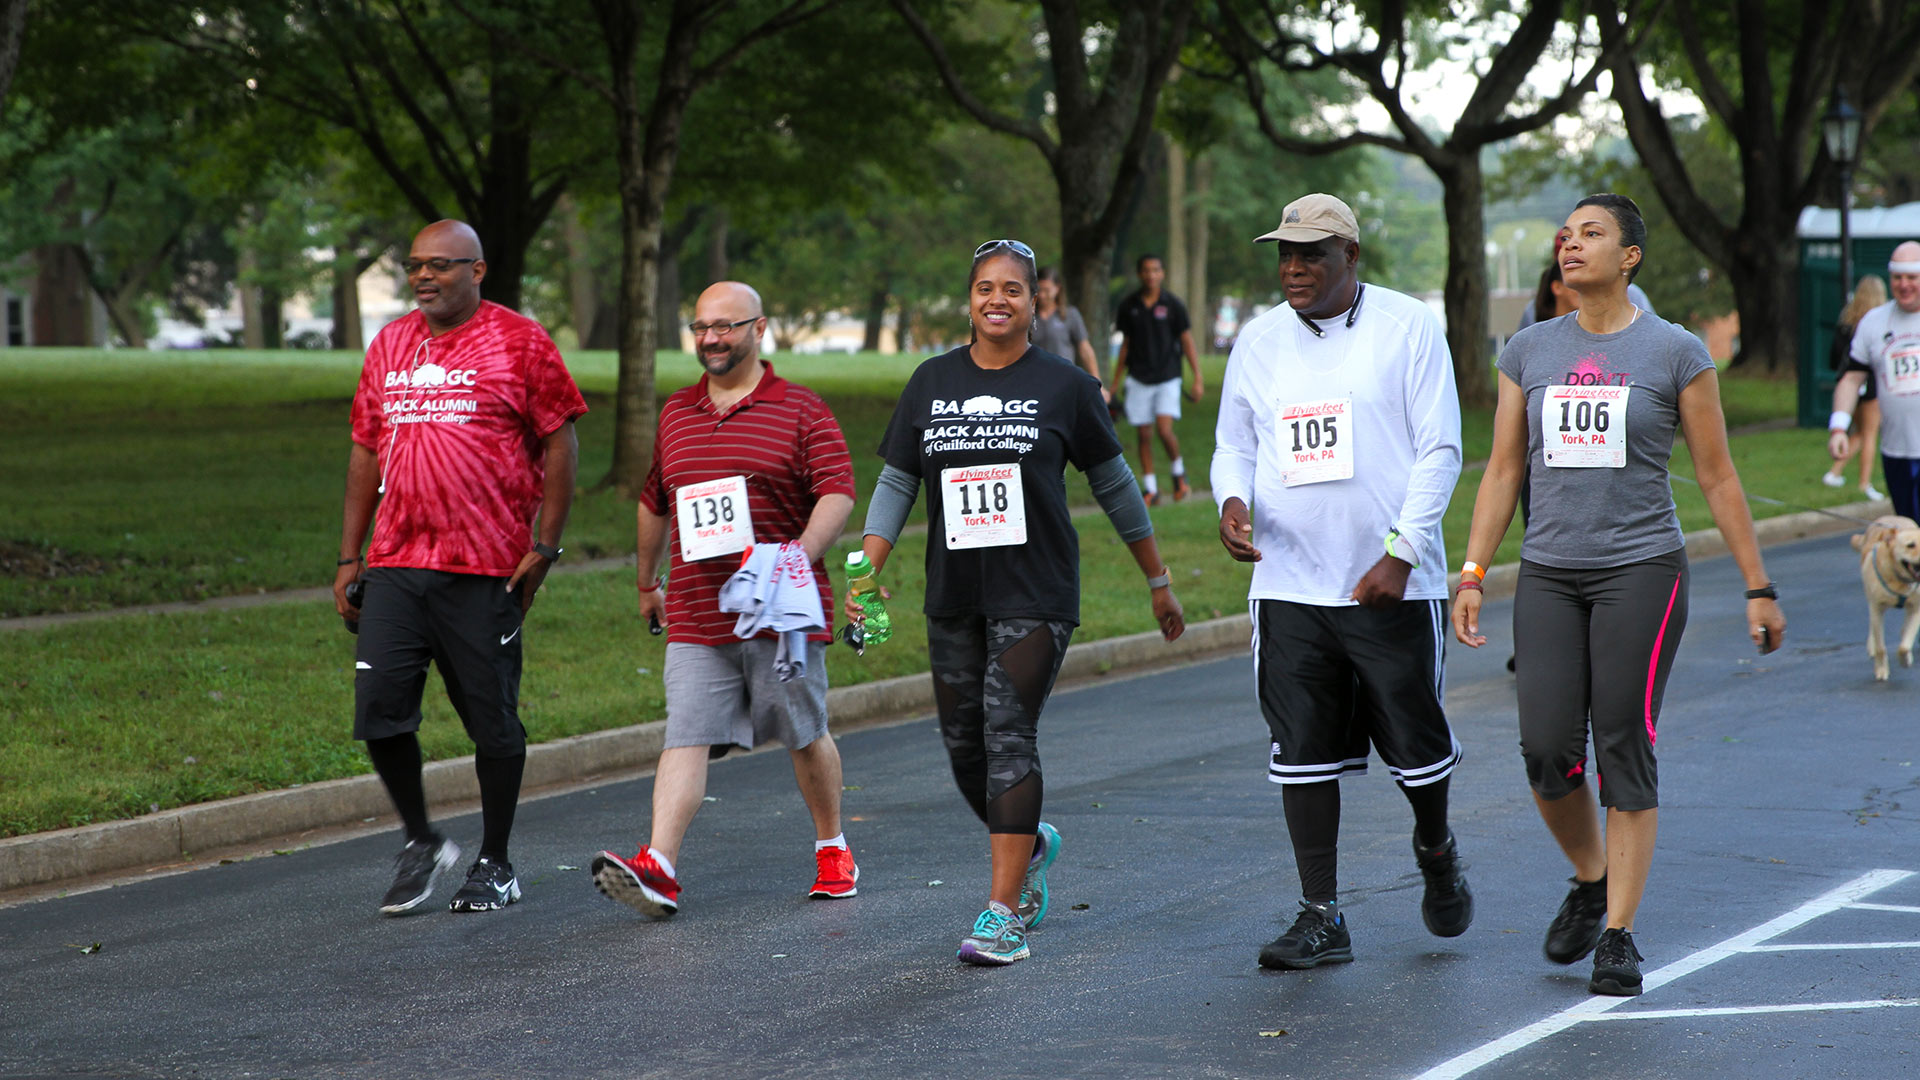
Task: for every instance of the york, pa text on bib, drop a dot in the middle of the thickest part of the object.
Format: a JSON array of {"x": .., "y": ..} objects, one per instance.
[
  {"x": 714, "y": 519},
  {"x": 1584, "y": 427},
  {"x": 983, "y": 506},
  {"x": 1316, "y": 441}
]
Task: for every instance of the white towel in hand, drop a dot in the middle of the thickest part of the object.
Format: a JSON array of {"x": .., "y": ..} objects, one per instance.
[{"x": 775, "y": 589}]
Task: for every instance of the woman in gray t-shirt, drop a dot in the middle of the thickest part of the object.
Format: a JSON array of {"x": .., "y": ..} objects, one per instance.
[
  {"x": 1060, "y": 330},
  {"x": 1592, "y": 401}
]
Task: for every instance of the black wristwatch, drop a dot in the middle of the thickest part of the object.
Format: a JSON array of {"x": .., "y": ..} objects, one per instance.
[
  {"x": 1767, "y": 592},
  {"x": 547, "y": 551}
]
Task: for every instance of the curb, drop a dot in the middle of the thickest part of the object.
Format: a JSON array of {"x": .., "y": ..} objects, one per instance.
[
  {"x": 172, "y": 837},
  {"x": 187, "y": 834}
]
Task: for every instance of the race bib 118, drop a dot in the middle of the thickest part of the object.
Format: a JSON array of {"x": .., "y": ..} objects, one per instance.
[
  {"x": 1584, "y": 427},
  {"x": 714, "y": 519},
  {"x": 1316, "y": 441},
  {"x": 983, "y": 506}
]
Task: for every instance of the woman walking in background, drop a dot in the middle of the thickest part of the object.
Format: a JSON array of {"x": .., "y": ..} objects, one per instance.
[{"x": 1864, "y": 437}]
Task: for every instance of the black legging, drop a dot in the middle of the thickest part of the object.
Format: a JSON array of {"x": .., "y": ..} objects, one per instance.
[{"x": 991, "y": 678}]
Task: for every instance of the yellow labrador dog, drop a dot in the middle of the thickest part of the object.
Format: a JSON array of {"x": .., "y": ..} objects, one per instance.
[{"x": 1890, "y": 573}]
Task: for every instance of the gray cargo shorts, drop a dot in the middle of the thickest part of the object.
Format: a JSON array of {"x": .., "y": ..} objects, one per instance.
[{"x": 728, "y": 695}]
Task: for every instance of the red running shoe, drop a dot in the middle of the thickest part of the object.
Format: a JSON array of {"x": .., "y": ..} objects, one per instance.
[
  {"x": 638, "y": 882},
  {"x": 837, "y": 874}
]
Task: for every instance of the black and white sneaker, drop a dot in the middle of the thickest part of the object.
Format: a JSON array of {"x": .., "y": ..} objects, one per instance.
[
  {"x": 1314, "y": 939},
  {"x": 1575, "y": 929},
  {"x": 490, "y": 886},
  {"x": 1447, "y": 905},
  {"x": 415, "y": 869},
  {"x": 1616, "y": 964}
]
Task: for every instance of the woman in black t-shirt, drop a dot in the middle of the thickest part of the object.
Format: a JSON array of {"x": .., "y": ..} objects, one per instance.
[{"x": 990, "y": 427}]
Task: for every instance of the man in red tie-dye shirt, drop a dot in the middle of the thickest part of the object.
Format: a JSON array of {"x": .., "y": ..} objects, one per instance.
[{"x": 462, "y": 435}]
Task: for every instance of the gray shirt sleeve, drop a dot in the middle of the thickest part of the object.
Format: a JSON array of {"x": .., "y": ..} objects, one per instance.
[
  {"x": 893, "y": 497},
  {"x": 1114, "y": 487}
]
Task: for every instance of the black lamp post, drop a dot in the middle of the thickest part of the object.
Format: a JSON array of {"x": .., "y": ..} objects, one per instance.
[{"x": 1840, "y": 130}]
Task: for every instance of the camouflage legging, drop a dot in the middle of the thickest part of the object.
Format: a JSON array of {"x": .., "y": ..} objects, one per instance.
[{"x": 991, "y": 678}]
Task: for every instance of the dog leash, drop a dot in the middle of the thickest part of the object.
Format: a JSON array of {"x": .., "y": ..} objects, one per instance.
[{"x": 1751, "y": 497}]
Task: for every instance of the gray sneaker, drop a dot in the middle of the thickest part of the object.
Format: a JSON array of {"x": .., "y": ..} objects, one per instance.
[
  {"x": 998, "y": 938},
  {"x": 415, "y": 869}
]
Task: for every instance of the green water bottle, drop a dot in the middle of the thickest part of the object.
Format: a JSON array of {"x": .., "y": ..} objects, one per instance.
[{"x": 865, "y": 587}]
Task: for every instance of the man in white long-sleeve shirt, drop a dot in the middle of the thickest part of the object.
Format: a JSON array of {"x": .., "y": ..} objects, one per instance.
[{"x": 1337, "y": 449}]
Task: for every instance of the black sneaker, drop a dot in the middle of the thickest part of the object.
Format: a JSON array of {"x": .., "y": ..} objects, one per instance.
[
  {"x": 1575, "y": 930},
  {"x": 415, "y": 868},
  {"x": 1313, "y": 940},
  {"x": 490, "y": 886},
  {"x": 1616, "y": 965},
  {"x": 1447, "y": 907}
]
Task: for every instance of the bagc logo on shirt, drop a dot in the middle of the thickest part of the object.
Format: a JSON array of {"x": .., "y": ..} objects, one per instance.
[
  {"x": 431, "y": 375},
  {"x": 986, "y": 405}
]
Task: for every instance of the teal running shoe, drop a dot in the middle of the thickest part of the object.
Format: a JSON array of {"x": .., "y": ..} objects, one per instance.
[
  {"x": 1033, "y": 891},
  {"x": 998, "y": 938}
]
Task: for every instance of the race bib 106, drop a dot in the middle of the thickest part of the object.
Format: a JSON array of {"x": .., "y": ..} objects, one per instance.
[
  {"x": 984, "y": 506},
  {"x": 714, "y": 519},
  {"x": 1584, "y": 427},
  {"x": 1316, "y": 441}
]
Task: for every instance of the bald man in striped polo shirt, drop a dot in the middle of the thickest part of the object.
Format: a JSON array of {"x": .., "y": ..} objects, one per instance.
[{"x": 741, "y": 457}]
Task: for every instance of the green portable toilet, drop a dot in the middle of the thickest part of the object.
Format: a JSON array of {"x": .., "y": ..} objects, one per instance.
[{"x": 1876, "y": 231}]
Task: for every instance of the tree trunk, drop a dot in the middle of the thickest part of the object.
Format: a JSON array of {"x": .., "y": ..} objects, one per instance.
[
  {"x": 347, "y": 333},
  {"x": 1197, "y": 252},
  {"x": 1176, "y": 257},
  {"x": 876, "y": 319},
  {"x": 13, "y": 26},
  {"x": 1463, "y": 204},
  {"x": 62, "y": 308},
  {"x": 666, "y": 295},
  {"x": 273, "y": 322},
  {"x": 125, "y": 315},
  {"x": 252, "y": 329},
  {"x": 717, "y": 246},
  {"x": 1084, "y": 260},
  {"x": 903, "y": 328},
  {"x": 583, "y": 296},
  {"x": 1765, "y": 280}
]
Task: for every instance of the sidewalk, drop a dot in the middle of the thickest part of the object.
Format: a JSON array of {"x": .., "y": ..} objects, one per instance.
[{"x": 195, "y": 835}]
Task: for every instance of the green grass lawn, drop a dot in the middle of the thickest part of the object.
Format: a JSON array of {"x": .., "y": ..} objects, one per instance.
[{"x": 169, "y": 476}]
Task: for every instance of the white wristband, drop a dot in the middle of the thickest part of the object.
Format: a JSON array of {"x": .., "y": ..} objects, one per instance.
[{"x": 1839, "y": 421}]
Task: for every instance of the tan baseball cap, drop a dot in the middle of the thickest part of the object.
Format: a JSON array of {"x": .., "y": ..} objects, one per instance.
[{"x": 1315, "y": 217}]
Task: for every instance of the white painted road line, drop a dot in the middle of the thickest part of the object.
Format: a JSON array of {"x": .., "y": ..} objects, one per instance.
[
  {"x": 1593, "y": 1008},
  {"x": 1823, "y": 946},
  {"x": 1749, "y": 1010},
  {"x": 1908, "y": 908}
]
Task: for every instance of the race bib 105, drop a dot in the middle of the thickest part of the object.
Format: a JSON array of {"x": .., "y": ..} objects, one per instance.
[
  {"x": 1584, "y": 427},
  {"x": 984, "y": 506},
  {"x": 714, "y": 519},
  {"x": 1316, "y": 441}
]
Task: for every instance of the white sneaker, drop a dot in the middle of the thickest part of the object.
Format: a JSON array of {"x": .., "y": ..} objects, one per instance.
[
  {"x": 1869, "y": 493},
  {"x": 1833, "y": 480}
]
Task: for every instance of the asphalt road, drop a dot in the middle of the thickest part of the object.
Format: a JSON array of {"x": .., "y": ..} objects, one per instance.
[{"x": 1785, "y": 780}]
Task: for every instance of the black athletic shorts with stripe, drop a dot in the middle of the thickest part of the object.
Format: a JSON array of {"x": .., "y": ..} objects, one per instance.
[
  {"x": 467, "y": 626},
  {"x": 1334, "y": 681}
]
